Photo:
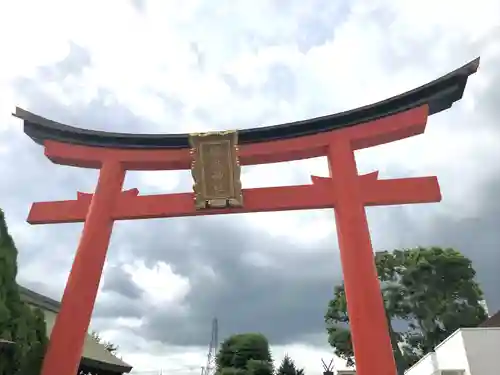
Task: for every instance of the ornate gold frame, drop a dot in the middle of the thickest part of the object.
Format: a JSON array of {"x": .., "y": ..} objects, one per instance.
[{"x": 216, "y": 170}]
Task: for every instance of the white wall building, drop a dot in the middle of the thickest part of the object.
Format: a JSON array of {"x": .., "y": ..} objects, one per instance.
[{"x": 468, "y": 351}]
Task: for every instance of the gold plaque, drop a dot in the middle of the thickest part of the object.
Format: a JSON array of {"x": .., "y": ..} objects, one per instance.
[{"x": 216, "y": 170}]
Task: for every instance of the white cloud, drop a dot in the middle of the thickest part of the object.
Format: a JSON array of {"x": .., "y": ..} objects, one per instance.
[
  {"x": 160, "y": 283},
  {"x": 376, "y": 49}
]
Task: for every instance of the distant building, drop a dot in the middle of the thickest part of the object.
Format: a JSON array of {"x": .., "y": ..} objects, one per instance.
[
  {"x": 492, "y": 321},
  {"x": 467, "y": 351},
  {"x": 95, "y": 359},
  {"x": 5, "y": 345}
]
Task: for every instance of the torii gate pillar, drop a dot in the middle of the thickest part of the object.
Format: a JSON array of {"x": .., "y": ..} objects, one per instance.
[{"x": 216, "y": 168}]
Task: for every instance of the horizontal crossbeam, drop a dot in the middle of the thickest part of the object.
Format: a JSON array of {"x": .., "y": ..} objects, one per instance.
[{"x": 130, "y": 205}]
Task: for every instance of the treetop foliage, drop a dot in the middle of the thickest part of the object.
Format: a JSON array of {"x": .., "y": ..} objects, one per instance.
[
  {"x": 430, "y": 292},
  {"x": 288, "y": 367},
  {"x": 249, "y": 354},
  {"x": 18, "y": 322},
  {"x": 237, "y": 350}
]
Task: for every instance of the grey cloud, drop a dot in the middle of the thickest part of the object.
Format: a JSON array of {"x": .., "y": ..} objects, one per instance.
[
  {"x": 285, "y": 300},
  {"x": 232, "y": 82},
  {"x": 117, "y": 305},
  {"x": 74, "y": 63},
  {"x": 312, "y": 28},
  {"x": 476, "y": 237},
  {"x": 139, "y": 5},
  {"x": 317, "y": 28},
  {"x": 289, "y": 22},
  {"x": 103, "y": 112},
  {"x": 119, "y": 281},
  {"x": 200, "y": 55},
  {"x": 280, "y": 84}
]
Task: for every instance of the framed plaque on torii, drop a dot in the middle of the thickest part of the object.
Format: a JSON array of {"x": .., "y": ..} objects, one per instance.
[{"x": 215, "y": 159}]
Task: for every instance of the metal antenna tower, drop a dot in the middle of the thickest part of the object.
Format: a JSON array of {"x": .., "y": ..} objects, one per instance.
[
  {"x": 209, "y": 368},
  {"x": 328, "y": 369}
]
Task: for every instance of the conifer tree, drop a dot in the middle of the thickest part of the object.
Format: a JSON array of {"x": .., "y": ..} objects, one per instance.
[
  {"x": 287, "y": 367},
  {"x": 18, "y": 322},
  {"x": 8, "y": 289}
]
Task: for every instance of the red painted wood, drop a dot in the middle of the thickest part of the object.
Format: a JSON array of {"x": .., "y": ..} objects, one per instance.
[
  {"x": 384, "y": 130},
  {"x": 365, "y": 306},
  {"x": 284, "y": 198},
  {"x": 345, "y": 191},
  {"x": 70, "y": 329}
]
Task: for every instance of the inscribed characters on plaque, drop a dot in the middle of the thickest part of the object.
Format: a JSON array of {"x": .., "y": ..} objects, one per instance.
[{"x": 216, "y": 170}]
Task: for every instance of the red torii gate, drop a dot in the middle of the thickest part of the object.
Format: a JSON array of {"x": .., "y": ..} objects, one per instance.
[{"x": 335, "y": 136}]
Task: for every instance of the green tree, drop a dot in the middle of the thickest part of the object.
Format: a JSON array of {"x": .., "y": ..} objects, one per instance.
[
  {"x": 432, "y": 291},
  {"x": 259, "y": 367},
  {"x": 232, "y": 371},
  {"x": 248, "y": 352},
  {"x": 18, "y": 322},
  {"x": 36, "y": 346},
  {"x": 287, "y": 367}
]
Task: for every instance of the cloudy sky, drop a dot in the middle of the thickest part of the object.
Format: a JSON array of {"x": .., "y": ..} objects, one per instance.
[{"x": 179, "y": 66}]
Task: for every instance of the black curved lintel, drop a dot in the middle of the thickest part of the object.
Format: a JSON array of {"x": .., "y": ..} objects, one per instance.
[{"x": 439, "y": 94}]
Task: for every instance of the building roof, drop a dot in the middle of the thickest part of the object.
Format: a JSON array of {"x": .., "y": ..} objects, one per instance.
[
  {"x": 492, "y": 321},
  {"x": 94, "y": 354},
  {"x": 5, "y": 343},
  {"x": 439, "y": 95}
]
